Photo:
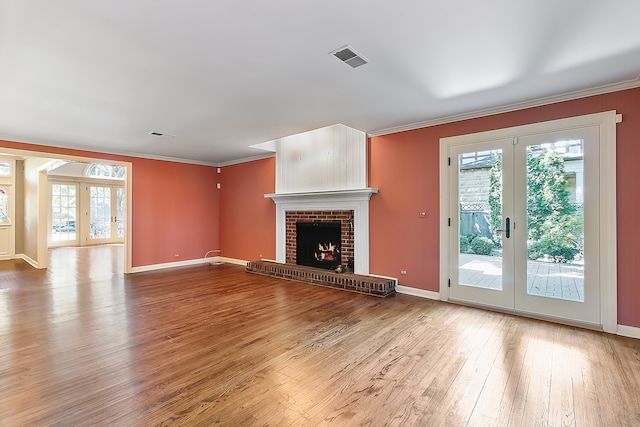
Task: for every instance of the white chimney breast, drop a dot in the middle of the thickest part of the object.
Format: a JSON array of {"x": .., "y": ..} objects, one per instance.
[{"x": 332, "y": 158}]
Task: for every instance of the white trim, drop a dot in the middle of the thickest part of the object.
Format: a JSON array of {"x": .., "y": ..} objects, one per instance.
[
  {"x": 246, "y": 159},
  {"x": 608, "y": 228},
  {"x": 628, "y": 331},
  {"x": 608, "y": 223},
  {"x": 28, "y": 259},
  {"x": 188, "y": 263},
  {"x": 226, "y": 260},
  {"x": 417, "y": 292},
  {"x": 355, "y": 200},
  {"x": 99, "y": 150},
  {"x": 153, "y": 267},
  {"x": 600, "y": 90},
  {"x": 444, "y": 221}
]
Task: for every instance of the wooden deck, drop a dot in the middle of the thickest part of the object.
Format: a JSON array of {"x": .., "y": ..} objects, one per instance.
[
  {"x": 545, "y": 279},
  {"x": 82, "y": 344}
]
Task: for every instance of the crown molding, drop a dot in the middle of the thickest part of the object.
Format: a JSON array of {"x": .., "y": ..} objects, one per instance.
[
  {"x": 599, "y": 90},
  {"x": 246, "y": 159},
  {"x": 97, "y": 151}
]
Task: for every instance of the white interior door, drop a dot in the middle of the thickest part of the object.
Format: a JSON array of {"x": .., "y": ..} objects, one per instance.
[{"x": 524, "y": 232}]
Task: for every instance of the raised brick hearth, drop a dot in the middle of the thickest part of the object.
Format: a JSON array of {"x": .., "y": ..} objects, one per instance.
[{"x": 371, "y": 285}]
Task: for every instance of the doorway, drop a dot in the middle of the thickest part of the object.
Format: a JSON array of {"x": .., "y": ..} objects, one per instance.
[
  {"x": 85, "y": 213},
  {"x": 525, "y": 220},
  {"x": 31, "y": 241}
]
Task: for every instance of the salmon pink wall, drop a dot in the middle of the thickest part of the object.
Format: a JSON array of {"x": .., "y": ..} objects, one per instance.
[
  {"x": 175, "y": 211},
  {"x": 404, "y": 166},
  {"x": 175, "y": 206},
  {"x": 247, "y": 219}
]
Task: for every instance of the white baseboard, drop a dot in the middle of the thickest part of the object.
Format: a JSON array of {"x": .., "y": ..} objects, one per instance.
[
  {"x": 153, "y": 267},
  {"x": 235, "y": 261},
  {"x": 188, "y": 263},
  {"x": 417, "y": 292},
  {"x": 629, "y": 331},
  {"x": 28, "y": 259}
]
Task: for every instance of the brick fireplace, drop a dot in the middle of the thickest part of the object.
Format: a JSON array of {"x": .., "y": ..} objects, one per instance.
[
  {"x": 344, "y": 217},
  {"x": 350, "y": 207},
  {"x": 323, "y": 173}
]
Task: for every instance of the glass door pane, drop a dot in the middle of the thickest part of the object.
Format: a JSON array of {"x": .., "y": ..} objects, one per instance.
[
  {"x": 63, "y": 213},
  {"x": 555, "y": 226},
  {"x": 120, "y": 212},
  {"x": 99, "y": 212},
  {"x": 480, "y": 216},
  {"x": 4, "y": 205}
]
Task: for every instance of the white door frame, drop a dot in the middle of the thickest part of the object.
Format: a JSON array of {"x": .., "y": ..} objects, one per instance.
[{"x": 607, "y": 234}]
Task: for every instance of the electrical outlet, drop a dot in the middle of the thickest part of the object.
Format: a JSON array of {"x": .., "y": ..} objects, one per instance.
[{"x": 403, "y": 271}]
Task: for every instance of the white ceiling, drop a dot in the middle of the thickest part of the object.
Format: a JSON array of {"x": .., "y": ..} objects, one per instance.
[{"x": 221, "y": 75}]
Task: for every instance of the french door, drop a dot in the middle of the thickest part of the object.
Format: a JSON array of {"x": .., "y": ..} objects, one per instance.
[
  {"x": 525, "y": 223},
  {"x": 86, "y": 214},
  {"x": 64, "y": 225},
  {"x": 106, "y": 214}
]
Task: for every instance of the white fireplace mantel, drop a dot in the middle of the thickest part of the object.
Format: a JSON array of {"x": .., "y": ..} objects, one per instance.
[{"x": 356, "y": 200}]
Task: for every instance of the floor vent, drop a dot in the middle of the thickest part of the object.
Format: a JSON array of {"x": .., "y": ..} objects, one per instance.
[{"x": 349, "y": 56}]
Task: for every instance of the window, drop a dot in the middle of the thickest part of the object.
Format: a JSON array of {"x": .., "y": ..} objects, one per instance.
[
  {"x": 98, "y": 170},
  {"x": 5, "y": 169}
]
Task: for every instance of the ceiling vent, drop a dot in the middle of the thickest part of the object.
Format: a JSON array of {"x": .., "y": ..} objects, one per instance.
[{"x": 349, "y": 56}]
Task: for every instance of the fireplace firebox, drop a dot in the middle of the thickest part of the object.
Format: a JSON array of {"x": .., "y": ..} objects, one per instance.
[{"x": 318, "y": 244}]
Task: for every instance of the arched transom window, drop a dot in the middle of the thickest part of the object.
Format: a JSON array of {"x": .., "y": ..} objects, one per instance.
[{"x": 98, "y": 170}]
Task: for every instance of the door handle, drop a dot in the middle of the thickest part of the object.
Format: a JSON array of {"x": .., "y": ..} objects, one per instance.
[{"x": 507, "y": 230}]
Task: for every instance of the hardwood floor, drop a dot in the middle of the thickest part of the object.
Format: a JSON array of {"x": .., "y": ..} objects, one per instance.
[{"x": 82, "y": 344}]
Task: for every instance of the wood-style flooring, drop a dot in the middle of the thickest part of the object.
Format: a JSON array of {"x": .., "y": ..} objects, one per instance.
[{"x": 82, "y": 344}]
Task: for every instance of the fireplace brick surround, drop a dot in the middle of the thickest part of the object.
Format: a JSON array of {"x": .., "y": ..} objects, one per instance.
[{"x": 345, "y": 217}]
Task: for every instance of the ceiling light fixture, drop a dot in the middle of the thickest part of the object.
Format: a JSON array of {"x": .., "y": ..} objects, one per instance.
[{"x": 349, "y": 56}]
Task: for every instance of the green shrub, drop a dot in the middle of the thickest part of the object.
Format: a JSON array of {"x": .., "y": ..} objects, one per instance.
[
  {"x": 482, "y": 246},
  {"x": 464, "y": 244},
  {"x": 558, "y": 240}
]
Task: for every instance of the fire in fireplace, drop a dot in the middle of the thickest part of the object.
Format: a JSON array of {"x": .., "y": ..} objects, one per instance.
[{"x": 318, "y": 244}]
